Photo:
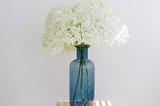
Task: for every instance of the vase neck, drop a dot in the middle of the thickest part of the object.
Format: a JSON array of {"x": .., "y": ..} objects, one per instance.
[{"x": 82, "y": 53}]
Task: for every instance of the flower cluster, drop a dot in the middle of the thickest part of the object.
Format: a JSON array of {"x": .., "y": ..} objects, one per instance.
[{"x": 87, "y": 22}]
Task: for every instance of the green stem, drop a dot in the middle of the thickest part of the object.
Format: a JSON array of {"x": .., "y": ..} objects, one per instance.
[
  {"x": 75, "y": 91},
  {"x": 81, "y": 86},
  {"x": 81, "y": 83},
  {"x": 87, "y": 80},
  {"x": 80, "y": 77}
]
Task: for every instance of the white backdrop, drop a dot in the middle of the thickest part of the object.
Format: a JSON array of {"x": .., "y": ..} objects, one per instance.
[{"x": 127, "y": 76}]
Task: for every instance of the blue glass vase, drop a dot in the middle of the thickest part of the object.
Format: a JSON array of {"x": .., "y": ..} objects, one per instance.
[{"x": 82, "y": 78}]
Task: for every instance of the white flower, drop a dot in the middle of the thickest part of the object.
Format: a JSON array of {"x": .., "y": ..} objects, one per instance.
[{"x": 89, "y": 22}]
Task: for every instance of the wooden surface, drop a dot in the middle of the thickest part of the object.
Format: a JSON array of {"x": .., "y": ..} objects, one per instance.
[{"x": 94, "y": 103}]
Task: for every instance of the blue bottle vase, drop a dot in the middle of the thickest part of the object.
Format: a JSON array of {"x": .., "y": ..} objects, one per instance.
[{"x": 82, "y": 78}]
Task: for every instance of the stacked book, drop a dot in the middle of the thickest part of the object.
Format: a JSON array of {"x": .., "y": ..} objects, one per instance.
[{"x": 92, "y": 103}]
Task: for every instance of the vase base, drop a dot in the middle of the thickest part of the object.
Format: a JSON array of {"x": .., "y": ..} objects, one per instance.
[{"x": 91, "y": 103}]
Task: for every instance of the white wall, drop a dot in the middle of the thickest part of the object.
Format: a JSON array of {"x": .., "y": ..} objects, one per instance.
[{"x": 128, "y": 76}]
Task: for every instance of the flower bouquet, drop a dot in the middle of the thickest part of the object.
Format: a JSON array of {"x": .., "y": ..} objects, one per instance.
[{"x": 80, "y": 26}]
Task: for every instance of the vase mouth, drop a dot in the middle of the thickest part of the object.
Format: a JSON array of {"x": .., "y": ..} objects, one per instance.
[{"x": 82, "y": 46}]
